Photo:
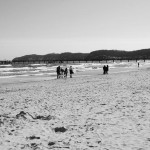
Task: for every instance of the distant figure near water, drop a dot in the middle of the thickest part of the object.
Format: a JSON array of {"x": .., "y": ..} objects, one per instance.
[
  {"x": 62, "y": 72},
  {"x": 71, "y": 71},
  {"x": 65, "y": 73},
  {"x": 105, "y": 69},
  {"x": 58, "y": 72},
  {"x": 138, "y": 64}
]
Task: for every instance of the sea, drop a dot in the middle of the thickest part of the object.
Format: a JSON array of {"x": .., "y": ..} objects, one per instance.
[{"x": 9, "y": 71}]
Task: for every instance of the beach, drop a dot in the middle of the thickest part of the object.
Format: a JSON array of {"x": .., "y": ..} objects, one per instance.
[{"x": 86, "y": 112}]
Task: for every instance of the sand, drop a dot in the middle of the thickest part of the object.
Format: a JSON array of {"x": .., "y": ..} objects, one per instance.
[{"x": 86, "y": 112}]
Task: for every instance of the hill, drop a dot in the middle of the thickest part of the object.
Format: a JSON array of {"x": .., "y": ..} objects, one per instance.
[
  {"x": 53, "y": 56},
  {"x": 95, "y": 55},
  {"x": 117, "y": 54}
]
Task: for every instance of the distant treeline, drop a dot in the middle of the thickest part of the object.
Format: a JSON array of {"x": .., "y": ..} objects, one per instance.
[{"x": 95, "y": 55}]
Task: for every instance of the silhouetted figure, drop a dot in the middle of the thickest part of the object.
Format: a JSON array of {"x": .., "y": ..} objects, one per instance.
[
  {"x": 65, "y": 73},
  {"x": 62, "y": 72},
  {"x": 71, "y": 71},
  {"x": 104, "y": 69},
  {"x": 58, "y": 72},
  {"x": 138, "y": 64},
  {"x": 107, "y": 69}
]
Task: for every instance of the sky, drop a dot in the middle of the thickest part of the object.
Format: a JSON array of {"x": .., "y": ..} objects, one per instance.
[{"x": 56, "y": 26}]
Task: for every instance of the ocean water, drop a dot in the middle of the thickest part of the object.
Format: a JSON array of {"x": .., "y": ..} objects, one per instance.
[{"x": 7, "y": 71}]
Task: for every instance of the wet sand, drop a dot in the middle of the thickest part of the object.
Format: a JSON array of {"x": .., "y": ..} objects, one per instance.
[{"x": 88, "y": 111}]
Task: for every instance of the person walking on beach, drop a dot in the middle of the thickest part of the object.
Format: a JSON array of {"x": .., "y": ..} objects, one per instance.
[
  {"x": 107, "y": 69},
  {"x": 62, "y": 72},
  {"x": 71, "y": 71},
  {"x": 138, "y": 64},
  {"x": 58, "y": 72},
  {"x": 65, "y": 73},
  {"x": 104, "y": 69}
]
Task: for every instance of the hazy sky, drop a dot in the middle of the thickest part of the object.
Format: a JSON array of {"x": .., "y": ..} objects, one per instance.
[{"x": 47, "y": 26}]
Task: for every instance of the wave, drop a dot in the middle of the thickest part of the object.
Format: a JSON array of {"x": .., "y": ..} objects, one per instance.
[{"x": 50, "y": 69}]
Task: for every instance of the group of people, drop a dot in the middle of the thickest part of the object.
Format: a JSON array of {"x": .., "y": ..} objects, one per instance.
[
  {"x": 105, "y": 69},
  {"x": 62, "y": 73}
]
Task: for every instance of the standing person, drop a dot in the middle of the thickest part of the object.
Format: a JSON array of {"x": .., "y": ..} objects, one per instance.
[
  {"x": 71, "y": 71},
  {"x": 107, "y": 69},
  {"x": 58, "y": 72},
  {"x": 62, "y": 72},
  {"x": 65, "y": 73},
  {"x": 104, "y": 69},
  {"x": 138, "y": 64}
]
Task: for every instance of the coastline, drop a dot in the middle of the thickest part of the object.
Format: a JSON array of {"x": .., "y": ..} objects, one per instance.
[{"x": 41, "y": 77}]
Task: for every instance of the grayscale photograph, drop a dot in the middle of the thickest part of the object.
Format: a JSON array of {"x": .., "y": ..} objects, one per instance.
[{"x": 74, "y": 74}]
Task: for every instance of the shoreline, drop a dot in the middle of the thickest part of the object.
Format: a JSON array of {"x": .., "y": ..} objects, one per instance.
[{"x": 76, "y": 74}]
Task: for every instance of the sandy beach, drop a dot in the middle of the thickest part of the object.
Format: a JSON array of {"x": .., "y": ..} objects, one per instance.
[{"x": 86, "y": 112}]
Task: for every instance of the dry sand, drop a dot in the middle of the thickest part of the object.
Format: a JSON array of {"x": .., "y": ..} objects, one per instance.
[{"x": 89, "y": 111}]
